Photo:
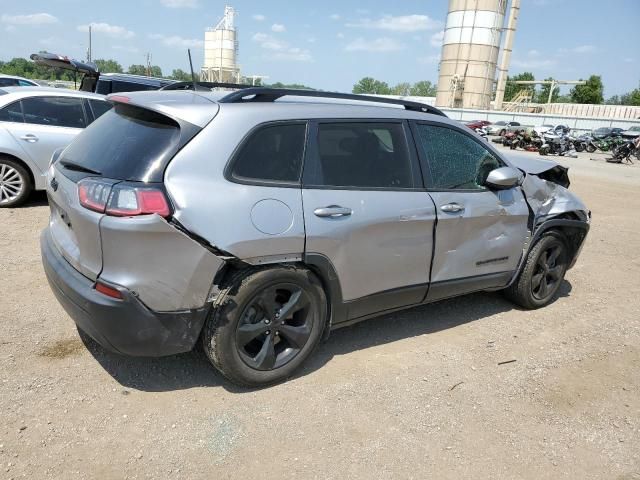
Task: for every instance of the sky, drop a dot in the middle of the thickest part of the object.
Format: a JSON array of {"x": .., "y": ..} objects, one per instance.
[{"x": 330, "y": 44}]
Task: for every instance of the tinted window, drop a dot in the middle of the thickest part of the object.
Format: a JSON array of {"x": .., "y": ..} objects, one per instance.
[
  {"x": 23, "y": 83},
  {"x": 99, "y": 107},
  {"x": 361, "y": 155},
  {"x": 456, "y": 161},
  {"x": 127, "y": 143},
  {"x": 11, "y": 113},
  {"x": 54, "y": 111},
  {"x": 8, "y": 82},
  {"x": 273, "y": 153}
]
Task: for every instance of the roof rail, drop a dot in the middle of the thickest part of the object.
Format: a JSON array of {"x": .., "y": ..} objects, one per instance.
[
  {"x": 203, "y": 86},
  {"x": 265, "y": 94}
]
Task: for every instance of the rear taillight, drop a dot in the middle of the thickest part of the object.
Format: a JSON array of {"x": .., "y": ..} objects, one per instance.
[{"x": 122, "y": 199}]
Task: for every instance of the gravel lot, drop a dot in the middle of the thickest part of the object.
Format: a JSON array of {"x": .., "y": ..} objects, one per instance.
[{"x": 419, "y": 394}]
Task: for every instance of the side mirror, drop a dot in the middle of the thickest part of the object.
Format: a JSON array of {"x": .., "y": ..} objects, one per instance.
[{"x": 503, "y": 178}]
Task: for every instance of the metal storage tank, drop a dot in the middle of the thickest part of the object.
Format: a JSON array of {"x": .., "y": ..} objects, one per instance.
[
  {"x": 221, "y": 51},
  {"x": 470, "y": 50}
]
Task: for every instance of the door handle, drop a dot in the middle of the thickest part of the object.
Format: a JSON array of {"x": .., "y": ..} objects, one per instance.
[
  {"x": 29, "y": 137},
  {"x": 452, "y": 208},
  {"x": 332, "y": 211}
]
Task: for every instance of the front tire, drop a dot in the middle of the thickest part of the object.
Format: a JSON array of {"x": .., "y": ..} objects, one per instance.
[
  {"x": 543, "y": 150},
  {"x": 543, "y": 273},
  {"x": 265, "y": 324},
  {"x": 15, "y": 184}
]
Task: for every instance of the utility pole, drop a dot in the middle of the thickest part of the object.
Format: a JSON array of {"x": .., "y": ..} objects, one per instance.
[
  {"x": 90, "y": 52},
  {"x": 148, "y": 64}
]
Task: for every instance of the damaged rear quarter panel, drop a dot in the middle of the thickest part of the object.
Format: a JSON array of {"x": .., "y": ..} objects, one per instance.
[{"x": 166, "y": 269}]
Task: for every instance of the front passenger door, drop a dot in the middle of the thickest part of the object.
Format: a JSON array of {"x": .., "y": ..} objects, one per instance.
[{"x": 480, "y": 233}]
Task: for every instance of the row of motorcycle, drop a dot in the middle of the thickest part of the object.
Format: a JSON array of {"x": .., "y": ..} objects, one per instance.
[{"x": 562, "y": 143}]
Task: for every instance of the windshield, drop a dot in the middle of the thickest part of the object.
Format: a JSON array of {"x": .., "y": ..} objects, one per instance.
[
  {"x": 500, "y": 123},
  {"x": 127, "y": 143}
]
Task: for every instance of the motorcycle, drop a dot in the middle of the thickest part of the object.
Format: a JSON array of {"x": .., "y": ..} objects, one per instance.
[
  {"x": 527, "y": 141},
  {"x": 557, "y": 145},
  {"x": 624, "y": 151},
  {"x": 508, "y": 138},
  {"x": 482, "y": 131}
]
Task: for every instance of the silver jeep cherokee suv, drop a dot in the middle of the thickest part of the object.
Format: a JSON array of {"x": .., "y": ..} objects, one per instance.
[{"x": 259, "y": 220}]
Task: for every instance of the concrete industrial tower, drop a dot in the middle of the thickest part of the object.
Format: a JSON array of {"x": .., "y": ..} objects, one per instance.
[
  {"x": 221, "y": 51},
  {"x": 470, "y": 51}
]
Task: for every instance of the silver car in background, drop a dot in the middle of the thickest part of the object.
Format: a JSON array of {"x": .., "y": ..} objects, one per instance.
[
  {"x": 35, "y": 122},
  {"x": 258, "y": 220}
]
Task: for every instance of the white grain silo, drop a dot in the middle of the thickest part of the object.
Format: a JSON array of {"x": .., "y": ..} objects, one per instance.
[
  {"x": 221, "y": 51},
  {"x": 470, "y": 52}
]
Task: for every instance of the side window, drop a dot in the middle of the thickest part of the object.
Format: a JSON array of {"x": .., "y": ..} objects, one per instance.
[
  {"x": 99, "y": 108},
  {"x": 54, "y": 111},
  {"x": 456, "y": 161},
  {"x": 23, "y": 83},
  {"x": 273, "y": 153},
  {"x": 361, "y": 155},
  {"x": 12, "y": 113},
  {"x": 8, "y": 82}
]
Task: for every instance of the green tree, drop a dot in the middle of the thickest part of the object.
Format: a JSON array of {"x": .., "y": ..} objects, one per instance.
[
  {"x": 543, "y": 94},
  {"x": 591, "y": 92},
  {"x": 371, "y": 86},
  {"x": 614, "y": 100},
  {"x": 296, "y": 86},
  {"x": 155, "y": 70},
  {"x": 631, "y": 98},
  {"x": 423, "y": 88},
  {"x": 512, "y": 89},
  {"x": 402, "y": 89},
  {"x": 181, "y": 75},
  {"x": 108, "y": 66}
]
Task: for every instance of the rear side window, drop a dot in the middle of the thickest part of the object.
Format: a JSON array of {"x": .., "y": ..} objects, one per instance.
[
  {"x": 54, "y": 111},
  {"x": 361, "y": 155},
  {"x": 99, "y": 108},
  {"x": 12, "y": 113},
  {"x": 273, "y": 153},
  {"x": 129, "y": 143},
  {"x": 455, "y": 160},
  {"x": 8, "y": 82}
]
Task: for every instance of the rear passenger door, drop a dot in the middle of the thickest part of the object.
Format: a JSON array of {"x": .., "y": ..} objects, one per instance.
[
  {"x": 49, "y": 123},
  {"x": 480, "y": 233},
  {"x": 366, "y": 211}
]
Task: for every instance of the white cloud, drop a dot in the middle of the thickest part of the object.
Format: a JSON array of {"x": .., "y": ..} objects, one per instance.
[
  {"x": 585, "y": 49},
  {"x": 533, "y": 53},
  {"x": 111, "y": 30},
  {"x": 430, "y": 59},
  {"x": 340, "y": 35},
  {"x": 402, "y": 23},
  {"x": 281, "y": 50},
  {"x": 177, "y": 41},
  {"x": 436, "y": 39},
  {"x": 533, "y": 63},
  {"x": 180, "y": 3},
  {"x": 258, "y": 17},
  {"x": 335, "y": 16},
  {"x": 33, "y": 19},
  {"x": 278, "y": 27},
  {"x": 628, "y": 60},
  {"x": 126, "y": 48},
  {"x": 377, "y": 45},
  {"x": 10, "y": 28}
]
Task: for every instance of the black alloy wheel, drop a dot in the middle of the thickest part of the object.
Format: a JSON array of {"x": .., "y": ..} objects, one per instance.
[
  {"x": 274, "y": 326},
  {"x": 548, "y": 272}
]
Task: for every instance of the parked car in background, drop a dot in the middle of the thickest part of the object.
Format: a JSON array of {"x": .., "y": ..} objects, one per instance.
[
  {"x": 402, "y": 206},
  {"x": 103, "y": 83},
  {"x": 34, "y": 122},
  {"x": 502, "y": 127},
  {"x": 13, "y": 81},
  {"x": 632, "y": 132},
  {"x": 604, "y": 132},
  {"x": 475, "y": 124},
  {"x": 552, "y": 129}
]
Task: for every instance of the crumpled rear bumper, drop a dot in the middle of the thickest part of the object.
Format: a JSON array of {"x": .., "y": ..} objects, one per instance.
[{"x": 124, "y": 326}]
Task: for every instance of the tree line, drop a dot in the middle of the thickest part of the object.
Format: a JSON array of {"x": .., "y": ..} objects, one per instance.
[{"x": 592, "y": 92}]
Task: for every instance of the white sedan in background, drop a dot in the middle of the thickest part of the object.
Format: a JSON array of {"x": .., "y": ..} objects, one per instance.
[
  {"x": 35, "y": 122},
  {"x": 13, "y": 81}
]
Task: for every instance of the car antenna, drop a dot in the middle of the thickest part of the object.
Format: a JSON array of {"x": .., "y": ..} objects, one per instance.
[{"x": 193, "y": 75}]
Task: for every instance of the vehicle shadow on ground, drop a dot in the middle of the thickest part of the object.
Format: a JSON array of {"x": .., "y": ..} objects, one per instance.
[
  {"x": 36, "y": 199},
  {"x": 192, "y": 369}
]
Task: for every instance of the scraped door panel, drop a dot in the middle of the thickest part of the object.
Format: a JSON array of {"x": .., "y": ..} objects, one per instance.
[{"x": 478, "y": 233}]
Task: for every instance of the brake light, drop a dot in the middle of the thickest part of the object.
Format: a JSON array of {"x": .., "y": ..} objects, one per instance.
[
  {"x": 108, "y": 291},
  {"x": 122, "y": 199}
]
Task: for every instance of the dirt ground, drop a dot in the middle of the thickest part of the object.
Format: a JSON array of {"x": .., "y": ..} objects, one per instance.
[{"x": 419, "y": 394}]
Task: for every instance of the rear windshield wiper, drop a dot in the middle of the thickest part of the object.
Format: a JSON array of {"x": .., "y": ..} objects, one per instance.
[{"x": 76, "y": 167}]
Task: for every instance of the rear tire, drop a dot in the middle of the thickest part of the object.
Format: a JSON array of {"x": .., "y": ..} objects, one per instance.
[
  {"x": 264, "y": 324},
  {"x": 543, "y": 150},
  {"x": 591, "y": 148},
  {"x": 15, "y": 183},
  {"x": 539, "y": 281}
]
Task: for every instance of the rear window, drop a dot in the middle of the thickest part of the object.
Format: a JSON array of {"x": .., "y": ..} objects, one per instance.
[{"x": 129, "y": 143}]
